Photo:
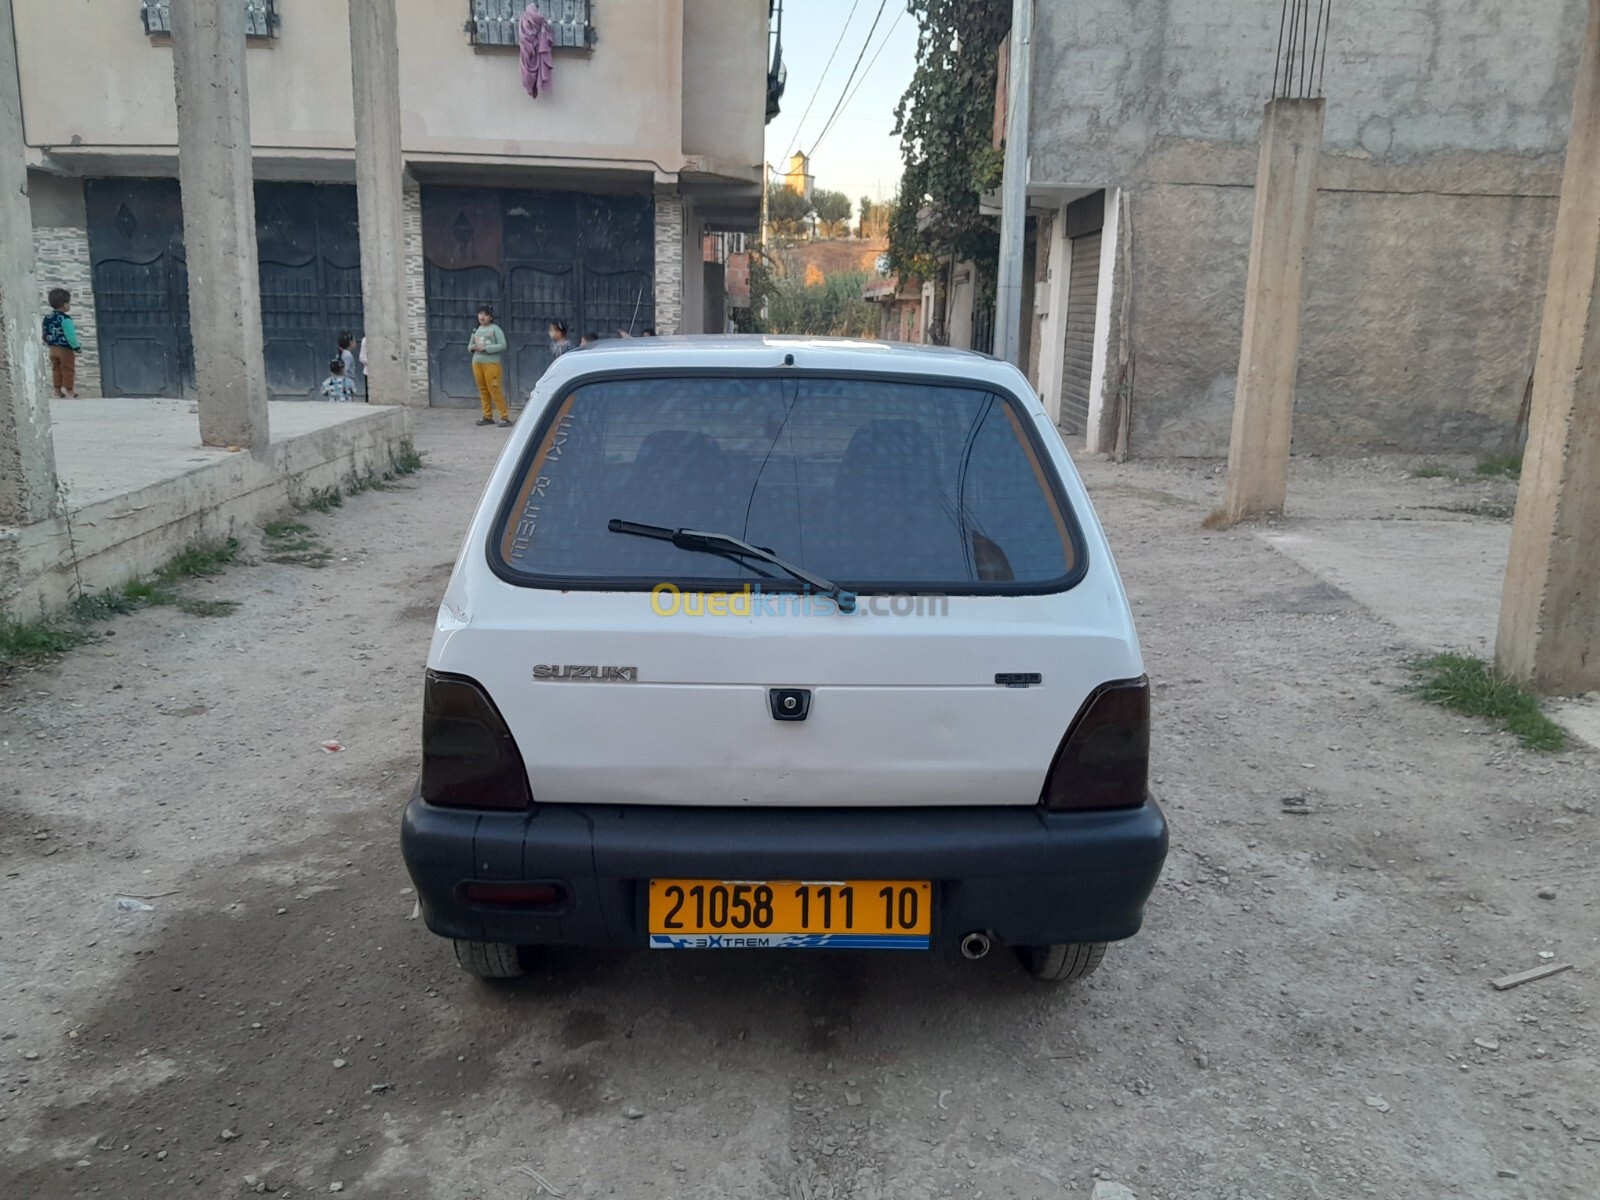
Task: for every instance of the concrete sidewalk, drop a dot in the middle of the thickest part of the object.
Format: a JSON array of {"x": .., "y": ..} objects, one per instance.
[
  {"x": 106, "y": 448},
  {"x": 139, "y": 487},
  {"x": 1426, "y": 555}
]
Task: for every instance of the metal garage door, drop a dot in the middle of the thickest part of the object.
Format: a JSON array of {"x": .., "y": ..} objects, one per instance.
[
  {"x": 534, "y": 257},
  {"x": 1083, "y": 294},
  {"x": 308, "y": 243},
  {"x": 141, "y": 286}
]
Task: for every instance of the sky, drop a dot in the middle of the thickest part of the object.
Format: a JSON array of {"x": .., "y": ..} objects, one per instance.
[{"x": 859, "y": 155}]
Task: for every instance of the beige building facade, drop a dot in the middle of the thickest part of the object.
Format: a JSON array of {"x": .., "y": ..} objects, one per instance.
[{"x": 587, "y": 204}]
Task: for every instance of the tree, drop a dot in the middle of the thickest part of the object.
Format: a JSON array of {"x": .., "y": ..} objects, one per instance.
[
  {"x": 946, "y": 125},
  {"x": 833, "y": 210},
  {"x": 783, "y": 304},
  {"x": 876, "y": 218},
  {"x": 832, "y": 308},
  {"x": 787, "y": 211}
]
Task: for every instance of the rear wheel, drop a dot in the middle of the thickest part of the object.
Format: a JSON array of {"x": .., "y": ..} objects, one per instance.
[
  {"x": 1062, "y": 963},
  {"x": 490, "y": 960}
]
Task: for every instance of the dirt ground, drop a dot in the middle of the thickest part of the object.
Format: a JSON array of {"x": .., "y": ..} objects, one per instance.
[{"x": 1307, "y": 1013}]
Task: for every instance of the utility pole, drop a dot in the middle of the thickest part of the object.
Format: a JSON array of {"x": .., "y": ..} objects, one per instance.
[{"x": 1014, "y": 189}]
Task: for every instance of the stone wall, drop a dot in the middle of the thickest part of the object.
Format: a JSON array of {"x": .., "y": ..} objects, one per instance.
[
  {"x": 669, "y": 264},
  {"x": 1420, "y": 325},
  {"x": 63, "y": 261},
  {"x": 1115, "y": 81},
  {"x": 1446, "y": 125},
  {"x": 416, "y": 297}
]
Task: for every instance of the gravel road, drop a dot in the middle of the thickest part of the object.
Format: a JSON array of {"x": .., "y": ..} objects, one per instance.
[{"x": 1307, "y": 1014}]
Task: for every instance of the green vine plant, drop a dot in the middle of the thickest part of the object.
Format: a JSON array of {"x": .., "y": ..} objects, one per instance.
[{"x": 945, "y": 122}]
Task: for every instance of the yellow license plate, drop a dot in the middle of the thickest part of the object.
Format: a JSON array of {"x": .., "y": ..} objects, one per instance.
[{"x": 855, "y": 914}]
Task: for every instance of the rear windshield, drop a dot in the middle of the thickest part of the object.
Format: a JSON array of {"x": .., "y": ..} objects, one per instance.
[{"x": 871, "y": 484}]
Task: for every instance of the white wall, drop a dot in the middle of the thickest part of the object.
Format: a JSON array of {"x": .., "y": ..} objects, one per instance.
[
  {"x": 725, "y": 85},
  {"x": 1103, "y": 368}
]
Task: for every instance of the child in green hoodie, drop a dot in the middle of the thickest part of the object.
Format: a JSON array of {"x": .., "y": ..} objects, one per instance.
[{"x": 61, "y": 338}]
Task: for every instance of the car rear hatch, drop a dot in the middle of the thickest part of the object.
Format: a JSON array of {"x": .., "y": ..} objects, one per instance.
[{"x": 630, "y": 669}]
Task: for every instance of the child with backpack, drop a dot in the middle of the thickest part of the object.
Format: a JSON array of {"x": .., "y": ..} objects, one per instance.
[{"x": 61, "y": 337}]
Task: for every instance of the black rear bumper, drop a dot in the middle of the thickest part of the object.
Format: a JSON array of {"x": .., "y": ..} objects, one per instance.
[{"x": 1027, "y": 876}]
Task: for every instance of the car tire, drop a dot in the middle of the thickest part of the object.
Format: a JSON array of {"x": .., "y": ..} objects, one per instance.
[
  {"x": 490, "y": 960},
  {"x": 1062, "y": 963}
]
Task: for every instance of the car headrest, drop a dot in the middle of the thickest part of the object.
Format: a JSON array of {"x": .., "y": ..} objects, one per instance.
[{"x": 889, "y": 457}]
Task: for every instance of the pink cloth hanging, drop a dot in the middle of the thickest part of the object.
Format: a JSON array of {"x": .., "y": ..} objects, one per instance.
[{"x": 537, "y": 40}]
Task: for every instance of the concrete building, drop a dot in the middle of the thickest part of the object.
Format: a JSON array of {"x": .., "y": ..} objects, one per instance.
[
  {"x": 1446, "y": 123},
  {"x": 587, "y": 204},
  {"x": 899, "y": 308}
]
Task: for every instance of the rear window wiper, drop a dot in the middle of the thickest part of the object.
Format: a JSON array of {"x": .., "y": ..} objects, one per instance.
[{"x": 725, "y": 543}]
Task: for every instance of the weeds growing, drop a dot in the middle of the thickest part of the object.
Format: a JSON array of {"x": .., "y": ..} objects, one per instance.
[
  {"x": 23, "y": 643},
  {"x": 293, "y": 543},
  {"x": 324, "y": 500},
  {"x": 1507, "y": 465},
  {"x": 199, "y": 562},
  {"x": 1469, "y": 685},
  {"x": 409, "y": 461}
]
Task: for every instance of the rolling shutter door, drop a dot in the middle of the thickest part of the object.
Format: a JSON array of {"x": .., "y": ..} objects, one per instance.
[{"x": 1083, "y": 294}]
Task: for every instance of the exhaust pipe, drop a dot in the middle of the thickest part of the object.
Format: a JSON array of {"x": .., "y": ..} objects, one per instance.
[{"x": 975, "y": 945}]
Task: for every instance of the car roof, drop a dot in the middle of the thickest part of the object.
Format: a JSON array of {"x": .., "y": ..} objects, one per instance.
[{"x": 758, "y": 351}]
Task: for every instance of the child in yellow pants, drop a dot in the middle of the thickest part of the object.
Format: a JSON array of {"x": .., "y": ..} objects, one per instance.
[{"x": 488, "y": 347}]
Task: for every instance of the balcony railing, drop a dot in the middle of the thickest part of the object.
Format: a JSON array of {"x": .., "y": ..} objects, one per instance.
[
  {"x": 261, "y": 18},
  {"x": 494, "y": 22}
]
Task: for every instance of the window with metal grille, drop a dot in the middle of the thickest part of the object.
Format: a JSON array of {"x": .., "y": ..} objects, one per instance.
[
  {"x": 494, "y": 22},
  {"x": 260, "y": 17}
]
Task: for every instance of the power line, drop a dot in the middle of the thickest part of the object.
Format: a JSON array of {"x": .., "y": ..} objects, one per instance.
[
  {"x": 882, "y": 4},
  {"x": 821, "y": 79},
  {"x": 865, "y": 75}
]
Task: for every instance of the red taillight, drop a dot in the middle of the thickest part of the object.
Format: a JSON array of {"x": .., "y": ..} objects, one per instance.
[
  {"x": 515, "y": 895},
  {"x": 1104, "y": 761},
  {"x": 469, "y": 759}
]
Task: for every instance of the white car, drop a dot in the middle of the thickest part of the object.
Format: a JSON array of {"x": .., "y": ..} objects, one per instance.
[{"x": 784, "y": 643}]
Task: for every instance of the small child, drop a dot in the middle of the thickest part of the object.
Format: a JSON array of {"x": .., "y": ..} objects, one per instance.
[
  {"x": 61, "y": 336},
  {"x": 336, "y": 387},
  {"x": 588, "y": 339},
  {"x": 347, "y": 355}
]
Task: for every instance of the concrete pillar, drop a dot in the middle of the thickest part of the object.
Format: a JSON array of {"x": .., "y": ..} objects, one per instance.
[
  {"x": 669, "y": 263},
  {"x": 219, "y": 220},
  {"x": 417, "y": 298},
  {"x": 380, "y": 197},
  {"x": 1549, "y": 633},
  {"x": 692, "y": 315},
  {"x": 1269, "y": 356},
  {"x": 1105, "y": 365},
  {"x": 27, "y": 455},
  {"x": 1053, "y": 330}
]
